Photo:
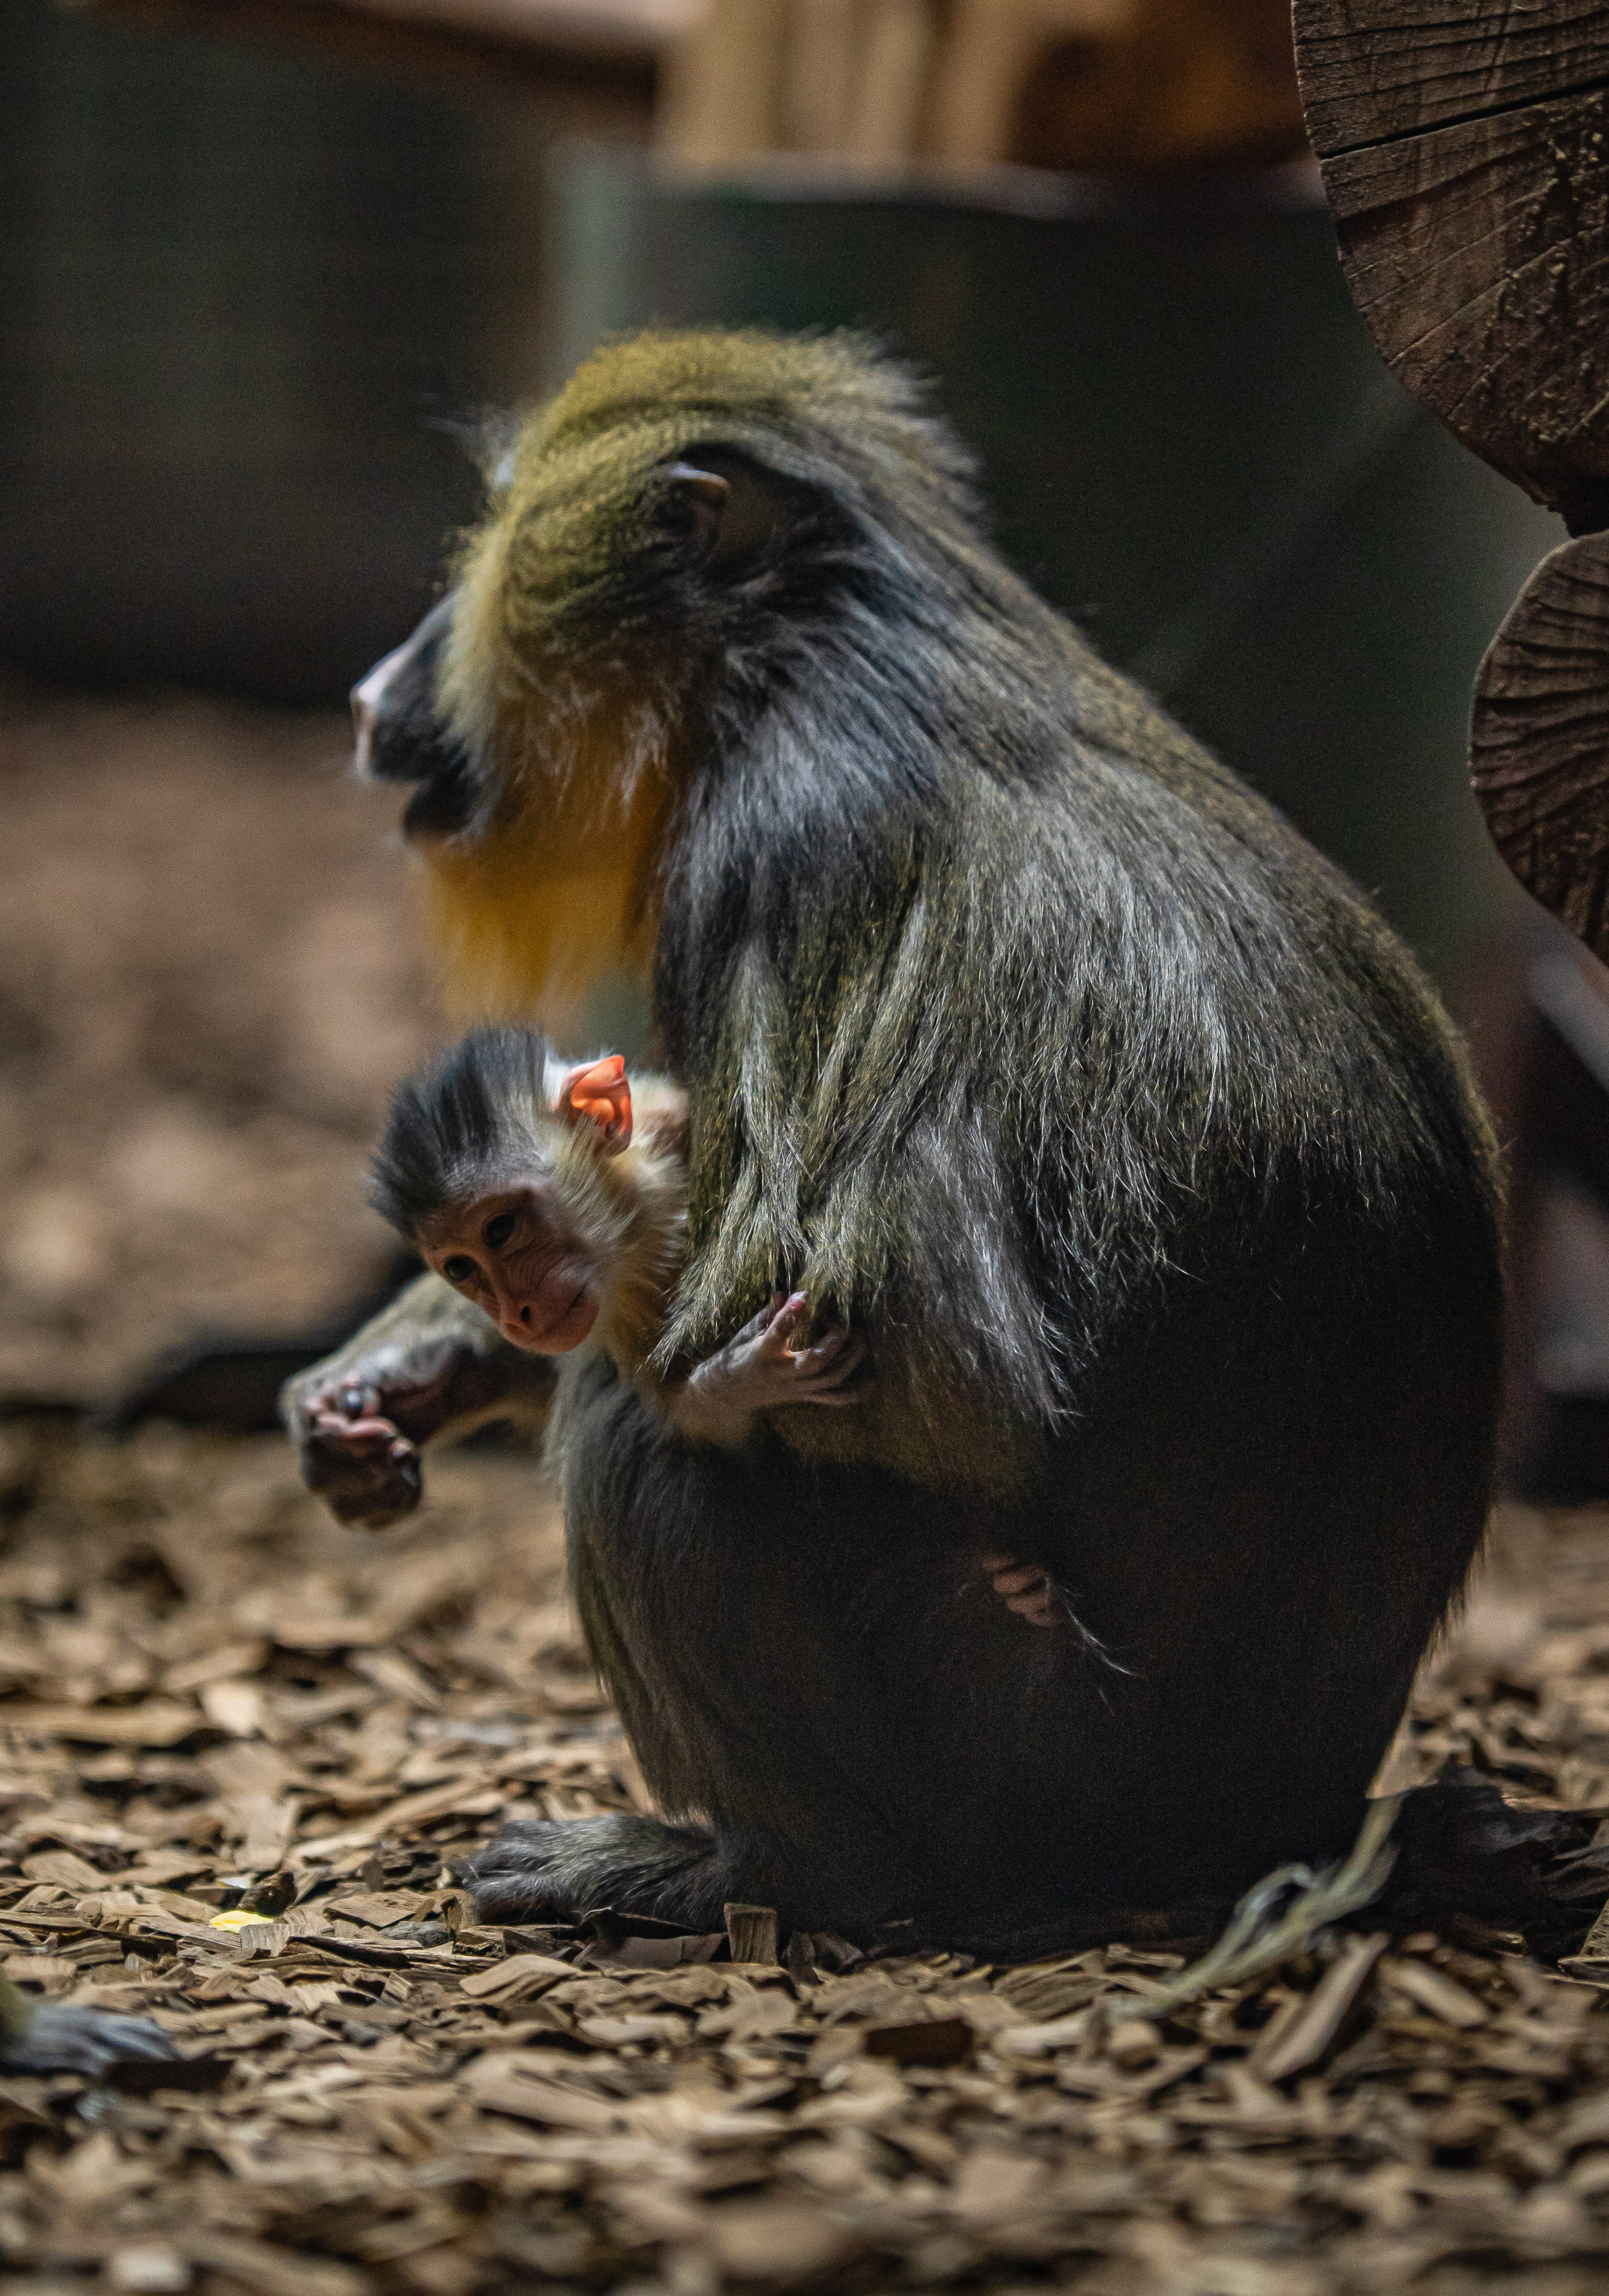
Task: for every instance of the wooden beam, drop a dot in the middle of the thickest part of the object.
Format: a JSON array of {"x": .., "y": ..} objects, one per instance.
[{"x": 542, "y": 42}]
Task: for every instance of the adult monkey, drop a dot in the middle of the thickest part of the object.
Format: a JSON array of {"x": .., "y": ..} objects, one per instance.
[{"x": 1019, "y": 1032}]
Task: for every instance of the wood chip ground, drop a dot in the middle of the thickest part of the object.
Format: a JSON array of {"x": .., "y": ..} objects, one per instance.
[{"x": 203, "y": 1680}]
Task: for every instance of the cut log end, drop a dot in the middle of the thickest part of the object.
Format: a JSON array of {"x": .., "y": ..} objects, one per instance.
[
  {"x": 1539, "y": 737},
  {"x": 1465, "y": 147}
]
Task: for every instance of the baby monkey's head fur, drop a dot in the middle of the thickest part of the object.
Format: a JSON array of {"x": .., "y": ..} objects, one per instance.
[
  {"x": 477, "y": 1112},
  {"x": 498, "y": 1120}
]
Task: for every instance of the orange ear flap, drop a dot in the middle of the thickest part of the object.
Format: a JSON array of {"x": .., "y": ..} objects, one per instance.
[{"x": 599, "y": 1094}]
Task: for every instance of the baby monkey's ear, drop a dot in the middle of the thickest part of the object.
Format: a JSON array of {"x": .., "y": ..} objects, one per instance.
[{"x": 599, "y": 1095}]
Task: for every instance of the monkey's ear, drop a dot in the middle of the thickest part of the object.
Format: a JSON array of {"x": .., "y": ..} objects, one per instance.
[
  {"x": 697, "y": 500},
  {"x": 600, "y": 1095}
]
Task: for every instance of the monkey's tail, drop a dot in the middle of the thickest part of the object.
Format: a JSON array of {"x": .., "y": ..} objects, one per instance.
[{"x": 1268, "y": 1925}]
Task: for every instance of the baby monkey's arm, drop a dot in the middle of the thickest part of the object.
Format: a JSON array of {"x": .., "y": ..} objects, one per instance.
[{"x": 718, "y": 1401}]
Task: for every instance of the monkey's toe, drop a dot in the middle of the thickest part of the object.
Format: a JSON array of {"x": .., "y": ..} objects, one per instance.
[
  {"x": 522, "y": 1874},
  {"x": 548, "y": 1870},
  {"x": 60, "y": 2039},
  {"x": 1026, "y": 1589}
]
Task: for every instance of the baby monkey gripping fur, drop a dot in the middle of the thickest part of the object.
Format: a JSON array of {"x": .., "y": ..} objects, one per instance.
[{"x": 556, "y": 1199}]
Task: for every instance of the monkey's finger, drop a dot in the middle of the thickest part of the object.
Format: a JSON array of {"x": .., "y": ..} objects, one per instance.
[
  {"x": 355, "y": 1431},
  {"x": 844, "y": 1350},
  {"x": 835, "y": 1377},
  {"x": 373, "y": 1483},
  {"x": 774, "y": 1345},
  {"x": 1019, "y": 1580},
  {"x": 1042, "y": 1609}
]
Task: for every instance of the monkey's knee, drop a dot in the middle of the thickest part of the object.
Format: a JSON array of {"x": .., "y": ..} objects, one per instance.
[{"x": 539, "y": 1870}]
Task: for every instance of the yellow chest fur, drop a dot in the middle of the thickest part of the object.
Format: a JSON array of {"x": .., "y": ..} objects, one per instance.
[{"x": 558, "y": 894}]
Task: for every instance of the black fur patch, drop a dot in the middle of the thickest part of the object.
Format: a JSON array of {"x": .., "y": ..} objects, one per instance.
[{"x": 456, "y": 1119}]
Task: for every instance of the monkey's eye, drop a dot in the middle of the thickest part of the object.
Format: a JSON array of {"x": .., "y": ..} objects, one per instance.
[
  {"x": 498, "y": 1230},
  {"x": 459, "y": 1268}
]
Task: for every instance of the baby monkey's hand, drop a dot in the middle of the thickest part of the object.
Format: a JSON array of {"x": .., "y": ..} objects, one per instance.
[
  {"x": 760, "y": 1368},
  {"x": 360, "y": 1461},
  {"x": 759, "y": 1371}
]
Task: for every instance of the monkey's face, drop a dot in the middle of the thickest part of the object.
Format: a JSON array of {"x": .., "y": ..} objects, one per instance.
[
  {"x": 657, "y": 542},
  {"x": 514, "y": 1253}
]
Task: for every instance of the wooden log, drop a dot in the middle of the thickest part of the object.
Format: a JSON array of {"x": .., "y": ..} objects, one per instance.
[
  {"x": 1173, "y": 83},
  {"x": 818, "y": 71},
  {"x": 750, "y": 1932},
  {"x": 886, "y": 105},
  {"x": 1539, "y": 740},
  {"x": 721, "y": 92},
  {"x": 1465, "y": 147},
  {"x": 990, "y": 47}
]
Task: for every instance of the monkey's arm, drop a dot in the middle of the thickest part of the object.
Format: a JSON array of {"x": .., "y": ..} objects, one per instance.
[
  {"x": 429, "y": 1368},
  {"x": 718, "y": 1401}
]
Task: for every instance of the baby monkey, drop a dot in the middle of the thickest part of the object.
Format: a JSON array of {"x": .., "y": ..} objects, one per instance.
[{"x": 554, "y": 1196}]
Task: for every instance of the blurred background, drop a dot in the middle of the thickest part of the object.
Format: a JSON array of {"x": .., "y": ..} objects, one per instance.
[{"x": 263, "y": 266}]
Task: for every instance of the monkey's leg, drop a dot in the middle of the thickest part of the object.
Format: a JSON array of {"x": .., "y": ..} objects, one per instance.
[
  {"x": 60, "y": 2036},
  {"x": 722, "y": 1642},
  {"x": 430, "y": 1366},
  {"x": 537, "y": 1870}
]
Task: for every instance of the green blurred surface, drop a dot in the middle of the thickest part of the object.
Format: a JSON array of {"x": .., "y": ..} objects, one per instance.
[{"x": 243, "y": 299}]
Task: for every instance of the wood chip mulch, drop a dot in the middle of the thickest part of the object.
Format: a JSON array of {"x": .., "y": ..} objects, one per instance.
[
  {"x": 206, "y": 1688},
  {"x": 210, "y": 977}
]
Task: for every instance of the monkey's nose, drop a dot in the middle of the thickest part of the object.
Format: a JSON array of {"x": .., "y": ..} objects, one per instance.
[{"x": 363, "y": 727}]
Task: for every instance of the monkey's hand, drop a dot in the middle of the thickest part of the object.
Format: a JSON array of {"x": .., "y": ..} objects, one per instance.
[
  {"x": 430, "y": 1366},
  {"x": 1026, "y": 1589},
  {"x": 758, "y": 1371},
  {"x": 360, "y": 1463}
]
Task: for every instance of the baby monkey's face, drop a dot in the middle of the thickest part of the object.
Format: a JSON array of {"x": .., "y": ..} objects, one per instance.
[{"x": 512, "y": 1251}]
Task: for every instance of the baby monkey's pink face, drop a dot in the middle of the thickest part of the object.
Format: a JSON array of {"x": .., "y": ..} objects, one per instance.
[{"x": 513, "y": 1253}]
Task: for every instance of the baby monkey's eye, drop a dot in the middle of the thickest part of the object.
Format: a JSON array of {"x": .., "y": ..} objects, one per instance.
[
  {"x": 498, "y": 1230},
  {"x": 459, "y": 1268}
]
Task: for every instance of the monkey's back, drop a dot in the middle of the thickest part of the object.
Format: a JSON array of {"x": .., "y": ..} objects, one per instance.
[{"x": 1196, "y": 1209}]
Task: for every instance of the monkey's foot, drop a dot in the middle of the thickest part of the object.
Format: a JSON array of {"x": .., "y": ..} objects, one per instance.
[
  {"x": 1026, "y": 1589},
  {"x": 61, "y": 2039},
  {"x": 542, "y": 1870}
]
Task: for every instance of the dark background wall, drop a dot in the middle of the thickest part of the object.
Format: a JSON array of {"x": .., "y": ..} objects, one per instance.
[
  {"x": 244, "y": 299},
  {"x": 238, "y": 298}
]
